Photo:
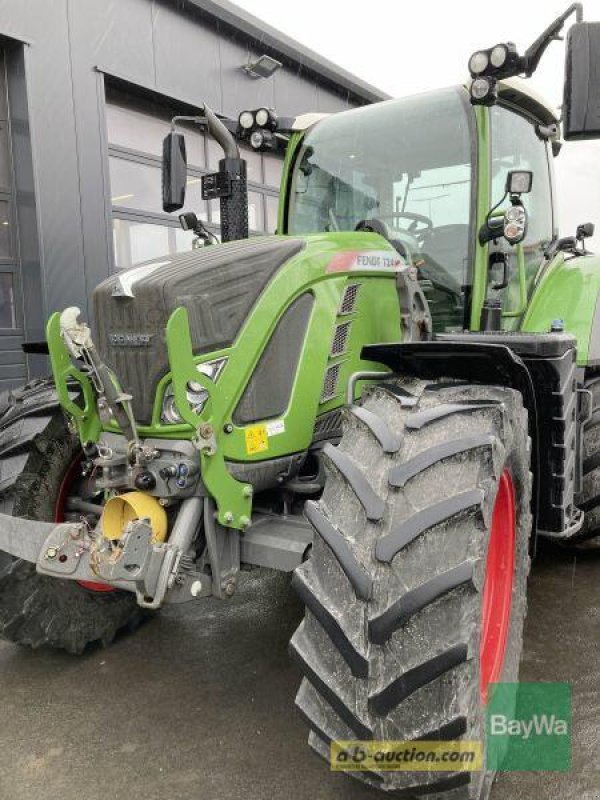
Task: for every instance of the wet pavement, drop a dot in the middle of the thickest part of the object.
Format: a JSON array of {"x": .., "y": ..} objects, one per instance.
[{"x": 199, "y": 703}]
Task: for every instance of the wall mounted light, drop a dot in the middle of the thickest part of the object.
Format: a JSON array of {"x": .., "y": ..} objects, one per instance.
[{"x": 263, "y": 67}]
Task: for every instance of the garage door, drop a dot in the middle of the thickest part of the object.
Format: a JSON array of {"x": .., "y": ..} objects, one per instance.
[{"x": 12, "y": 359}]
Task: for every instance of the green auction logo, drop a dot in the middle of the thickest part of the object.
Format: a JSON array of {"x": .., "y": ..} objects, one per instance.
[{"x": 529, "y": 727}]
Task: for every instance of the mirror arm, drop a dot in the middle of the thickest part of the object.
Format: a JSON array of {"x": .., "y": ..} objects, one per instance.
[
  {"x": 216, "y": 128},
  {"x": 534, "y": 52}
]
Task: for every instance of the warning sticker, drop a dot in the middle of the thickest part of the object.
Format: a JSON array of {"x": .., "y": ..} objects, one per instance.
[
  {"x": 275, "y": 426},
  {"x": 257, "y": 439}
]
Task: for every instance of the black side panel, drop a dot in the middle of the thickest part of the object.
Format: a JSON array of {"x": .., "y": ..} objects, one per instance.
[
  {"x": 217, "y": 285},
  {"x": 268, "y": 391}
]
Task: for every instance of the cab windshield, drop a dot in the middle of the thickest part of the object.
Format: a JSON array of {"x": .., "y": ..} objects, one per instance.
[{"x": 407, "y": 163}]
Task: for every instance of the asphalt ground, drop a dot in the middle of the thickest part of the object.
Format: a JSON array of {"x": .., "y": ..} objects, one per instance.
[{"x": 198, "y": 704}]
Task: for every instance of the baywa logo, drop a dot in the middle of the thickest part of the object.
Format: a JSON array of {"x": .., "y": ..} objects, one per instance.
[
  {"x": 525, "y": 728},
  {"x": 529, "y": 727}
]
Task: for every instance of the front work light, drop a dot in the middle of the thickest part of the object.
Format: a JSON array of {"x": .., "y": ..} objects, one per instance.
[
  {"x": 498, "y": 55},
  {"x": 262, "y": 117},
  {"x": 246, "y": 120},
  {"x": 519, "y": 181},
  {"x": 262, "y": 140},
  {"x": 478, "y": 62},
  {"x": 483, "y": 91}
]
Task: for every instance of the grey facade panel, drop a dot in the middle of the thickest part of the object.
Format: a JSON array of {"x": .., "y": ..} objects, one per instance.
[
  {"x": 187, "y": 57},
  {"x": 117, "y": 33},
  {"x": 290, "y": 50},
  {"x": 240, "y": 91},
  {"x": 178, "y": 48}
]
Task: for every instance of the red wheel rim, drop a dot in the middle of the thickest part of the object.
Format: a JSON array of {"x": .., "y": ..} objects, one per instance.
[
  {"x": 70, "y": 478},
  {"x": 498, "y": 585}
]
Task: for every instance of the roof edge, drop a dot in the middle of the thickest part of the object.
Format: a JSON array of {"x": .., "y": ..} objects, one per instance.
[{"x": 279, "y": 43}]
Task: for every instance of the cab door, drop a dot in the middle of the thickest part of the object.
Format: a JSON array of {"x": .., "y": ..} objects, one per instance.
[{"x": 516, "y": 145}]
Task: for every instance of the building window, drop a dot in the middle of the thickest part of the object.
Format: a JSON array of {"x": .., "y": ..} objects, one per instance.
[
  {"x": 8, "y": 317},
  {"x": 141, "y": 231}
]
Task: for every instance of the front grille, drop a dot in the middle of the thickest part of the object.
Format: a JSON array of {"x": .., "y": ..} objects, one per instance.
[
  {"x": 349, "y": 298},
  {"x": 340, "y": 339},
  {"x": 330, "y": 383}
]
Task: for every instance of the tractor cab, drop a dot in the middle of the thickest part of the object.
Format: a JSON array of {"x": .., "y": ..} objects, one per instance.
[{"x": 430, "y": 174}]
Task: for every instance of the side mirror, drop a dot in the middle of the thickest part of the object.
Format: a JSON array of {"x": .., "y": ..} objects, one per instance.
[
  {"x": 174, "y": 172},
  {"x": 585, "y": 231},
  {"x": 581, "y": 99},
  {"x": 188, "y": 221}
]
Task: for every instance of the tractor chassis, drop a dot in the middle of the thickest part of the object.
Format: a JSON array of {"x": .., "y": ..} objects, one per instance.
[{"x": 541, "y": 367}]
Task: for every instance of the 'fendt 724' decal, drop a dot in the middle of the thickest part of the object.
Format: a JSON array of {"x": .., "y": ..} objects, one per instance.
[{"x": 360, "y": 260}]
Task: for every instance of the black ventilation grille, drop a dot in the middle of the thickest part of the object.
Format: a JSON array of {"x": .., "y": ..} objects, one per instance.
[
  {"x": 330, "y": 383},
  {"x": 328, "y": 426},
  {"x": 340, "y": 339},
  {"x": 349, "y": 298}
]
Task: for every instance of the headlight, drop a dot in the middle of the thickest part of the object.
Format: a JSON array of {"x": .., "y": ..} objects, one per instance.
[
  {"x": 169, "y": 413},
  {"x": 196, "y": 393}
]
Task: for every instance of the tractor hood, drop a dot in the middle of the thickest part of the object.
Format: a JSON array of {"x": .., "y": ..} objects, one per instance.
[{"x": 218, "y": 286}]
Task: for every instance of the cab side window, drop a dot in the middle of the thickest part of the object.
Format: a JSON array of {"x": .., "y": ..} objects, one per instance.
[{"x": 516, "y": 145}]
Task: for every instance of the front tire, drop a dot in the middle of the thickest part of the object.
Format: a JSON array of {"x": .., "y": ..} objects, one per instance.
[
  {"x": 37, "y": 451},
  {"x": 588, "y": 501},
  {"x": 398, "y": 586}
]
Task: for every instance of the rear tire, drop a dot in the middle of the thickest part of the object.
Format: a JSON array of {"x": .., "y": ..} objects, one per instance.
[
  {"x": 36, "y": 452},
  {"x": 390, "y": 644}
]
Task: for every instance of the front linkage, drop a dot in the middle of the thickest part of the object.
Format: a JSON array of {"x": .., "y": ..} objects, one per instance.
[{"x": 127, "y": 548}]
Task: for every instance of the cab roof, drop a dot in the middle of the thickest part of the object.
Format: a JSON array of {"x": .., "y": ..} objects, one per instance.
[
  {"x": 519, "y": 93},
  {"x": 516, "y": 91}
]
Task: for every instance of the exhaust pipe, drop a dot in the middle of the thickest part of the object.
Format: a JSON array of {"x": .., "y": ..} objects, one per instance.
[
  {"x": 229, "y": 183},
  {"x": 234, "y": 206}
]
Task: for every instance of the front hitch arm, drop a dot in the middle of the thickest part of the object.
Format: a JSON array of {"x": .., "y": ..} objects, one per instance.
[
  {"x": 65, "y": 372},
  {"x": 233, "y": 498}
]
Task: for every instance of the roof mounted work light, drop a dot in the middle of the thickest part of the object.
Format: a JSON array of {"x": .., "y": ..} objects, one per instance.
[
  {"x": 258, "y": 126},
  {"x": 484, "y": 91},
  {"x": 503, "y": 60}
]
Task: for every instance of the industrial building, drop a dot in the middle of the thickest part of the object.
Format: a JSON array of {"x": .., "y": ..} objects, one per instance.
[{"x": 87, "y": 92}]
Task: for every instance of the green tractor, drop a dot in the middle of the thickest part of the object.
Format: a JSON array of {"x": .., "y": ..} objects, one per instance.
[{"x": 389, "y": 399}]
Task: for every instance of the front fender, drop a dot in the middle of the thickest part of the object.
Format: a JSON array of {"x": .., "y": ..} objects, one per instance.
[{"x": 569, "y": 290}]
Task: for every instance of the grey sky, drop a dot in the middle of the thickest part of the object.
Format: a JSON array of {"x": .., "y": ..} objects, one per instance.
[{"x": 407, "y": 47}]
